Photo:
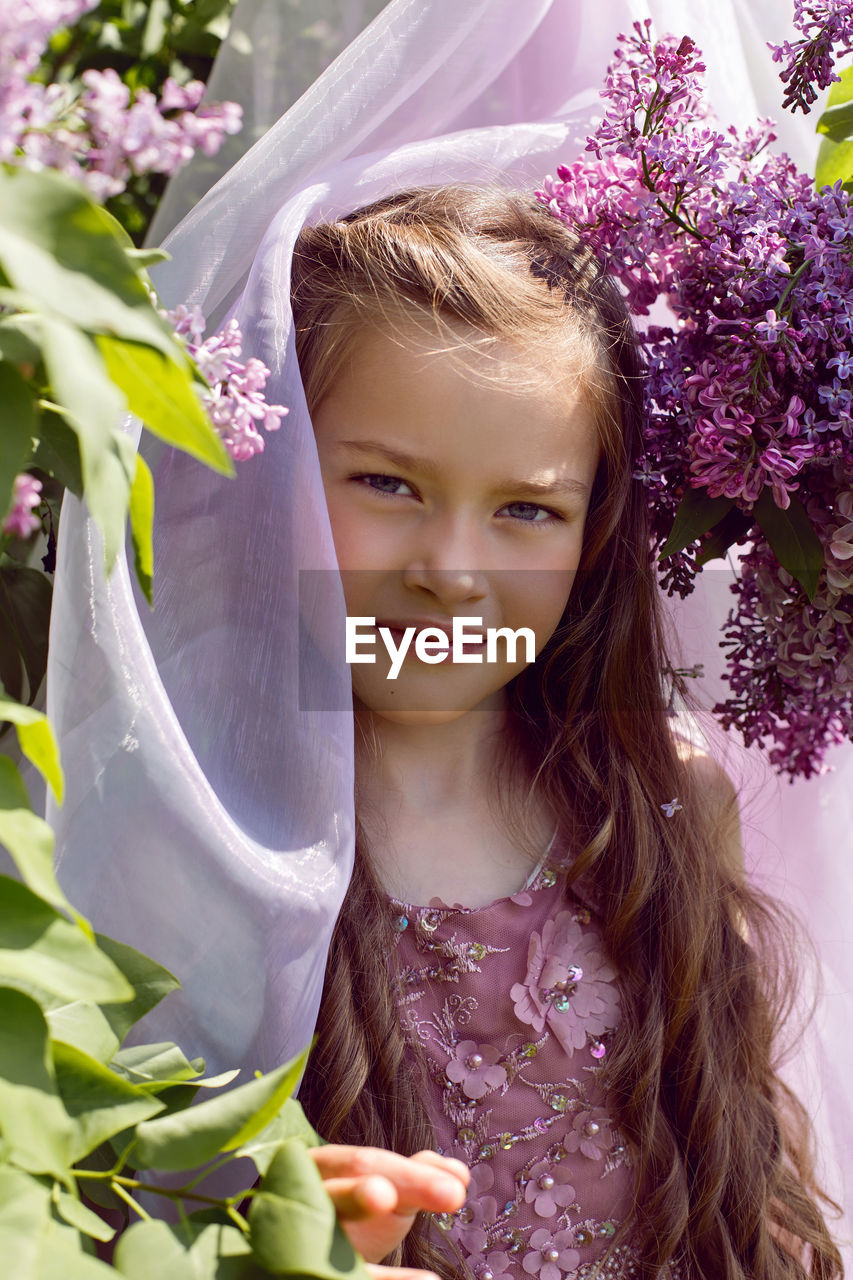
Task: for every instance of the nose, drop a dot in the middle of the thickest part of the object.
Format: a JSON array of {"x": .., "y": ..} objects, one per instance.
[{"x": 444, "y": 562}]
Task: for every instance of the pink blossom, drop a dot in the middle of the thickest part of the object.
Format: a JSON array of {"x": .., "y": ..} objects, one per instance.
[
  {"x": 551, "y": 1255},
  {"x": 106, "y": 133},
  {"x": 474, "y": 1067},
  {"x": 235, "y": 401},
  {"x": 26, "y": 496},
  {"x": 569, "y": 985}
]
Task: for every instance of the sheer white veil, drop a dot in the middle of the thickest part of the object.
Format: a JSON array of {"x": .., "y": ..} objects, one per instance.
[{"x": 209, "y": 819}]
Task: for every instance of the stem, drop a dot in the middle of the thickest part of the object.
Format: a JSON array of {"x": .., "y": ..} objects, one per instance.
[
  {"x": 679, "y": 222},
  {"x": 134, "y": 1184},
  {"x": 122, "y": 1195},
  {"x": 792, "y": 282},
  {"x": 237, "y": 1218},
  {"x": 647, "y": 123},
  {"x": 670, "y": 213}
]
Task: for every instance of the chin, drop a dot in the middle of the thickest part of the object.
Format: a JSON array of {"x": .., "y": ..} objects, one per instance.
[{"x": 423, "y": 709}]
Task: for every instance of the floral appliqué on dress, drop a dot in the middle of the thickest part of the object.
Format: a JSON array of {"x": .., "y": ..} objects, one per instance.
[{"x": 510, "y": 1007}]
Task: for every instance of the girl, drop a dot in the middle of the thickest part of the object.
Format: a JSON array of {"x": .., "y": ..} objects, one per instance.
[
  {"x": 548, "y": 961},
  {"x": 209, "y": 750}
]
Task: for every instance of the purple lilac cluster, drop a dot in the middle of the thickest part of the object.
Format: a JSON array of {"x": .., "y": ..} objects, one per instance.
[
  {"x": 21, "y": 520},
  {"x": 826, "y": 29},
  {"x": 235, "y": 401},
  {"x": 750, "y": 387},
  {"x": 103, "y": 134}
]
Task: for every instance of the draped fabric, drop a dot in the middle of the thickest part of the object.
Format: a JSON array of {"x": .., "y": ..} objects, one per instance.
[{"x": 209, "y": 818}]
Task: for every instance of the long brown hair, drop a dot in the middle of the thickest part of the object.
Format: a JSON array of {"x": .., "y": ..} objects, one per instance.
[{"x": 723, "y": 1175}]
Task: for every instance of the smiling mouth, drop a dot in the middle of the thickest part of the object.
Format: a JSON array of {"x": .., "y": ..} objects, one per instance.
[{"x": 472, "y": 642}]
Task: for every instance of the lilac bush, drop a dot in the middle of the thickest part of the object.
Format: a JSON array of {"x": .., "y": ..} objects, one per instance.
[
  {"x": 100, "y": 133},
  {"x": 750, "y": 432}
]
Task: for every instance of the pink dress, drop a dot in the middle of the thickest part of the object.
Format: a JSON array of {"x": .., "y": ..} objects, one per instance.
[{"x": 512, "y": 1006}]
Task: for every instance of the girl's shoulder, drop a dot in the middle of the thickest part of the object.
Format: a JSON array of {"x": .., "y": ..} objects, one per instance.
[{"x": 710, "y": 787}]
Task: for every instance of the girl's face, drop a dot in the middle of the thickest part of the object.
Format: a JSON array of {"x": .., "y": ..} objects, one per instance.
[{"x": 452, "y": 495}]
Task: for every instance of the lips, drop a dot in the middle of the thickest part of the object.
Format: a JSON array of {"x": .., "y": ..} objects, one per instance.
[{"x": 397, "y": 627}]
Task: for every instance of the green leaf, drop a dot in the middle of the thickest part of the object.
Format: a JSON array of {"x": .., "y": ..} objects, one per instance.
[
  {"x": 159, "y": 1066},
  {"x": 837, "y": 123},
  {"x": 696, "y": 514},
  {"x": 38, "y": 948},
  {"x": 792, "y": 539},
  {"x": 93, "y": 407},
  {"x": 29, "y": 839},
  {"x": 20, "y": 339},
  {"x": 834, "y": 164},
  {"x": 98, "y": 1101},
  {"x": 161, "y": 393},
  {"x": 156, "y": 26},
  {"x": 77, "y": 1215},
  {"x": 58, "y": 451},
  {"x": 146, "y": 258},
  {"x": 37, "y": 1133},
  {"x": 24, "y": 1220},
  {"x": 60, "y": 1257},
  {"x": 150, "y": 983},
  {"x": 36, "y": 740},
  {"x": 291, "y": 1122},
  {"x": 160, "y": 1251},
  {"x": 25, "y": 600},
  {"x": 85, "y": 1027},
  {"x": 142, "y": 526},
  {"x": 292, "y": 1222},
  {"x": 191, "y": 1138},
  {"x": 733, "y": 526},
  {"x": 61, "y": 251},
  {"x": 17, "y": 428},
  {"x": 837, "y": 120}
]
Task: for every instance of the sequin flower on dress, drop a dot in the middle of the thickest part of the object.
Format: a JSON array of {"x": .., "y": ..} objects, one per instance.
[{"x": 568, "y": 986}]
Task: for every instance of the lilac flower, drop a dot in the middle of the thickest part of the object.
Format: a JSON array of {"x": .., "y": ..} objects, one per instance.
[
  {"x": 104, "y": 133},
  {"x": 824, "y": 26},
  {"x": 235, "y": 401},
  {"x": 26, "y": 496},
  {"x": 750, "y": 391}
]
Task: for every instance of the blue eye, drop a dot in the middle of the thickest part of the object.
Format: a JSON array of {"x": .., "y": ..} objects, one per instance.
[
  {"x": 530, "y": 513},
  {"x": 388, "y": 486}
]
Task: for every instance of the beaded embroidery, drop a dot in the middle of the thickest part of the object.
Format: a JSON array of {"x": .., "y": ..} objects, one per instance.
[{"x": 512, "y": 1037}]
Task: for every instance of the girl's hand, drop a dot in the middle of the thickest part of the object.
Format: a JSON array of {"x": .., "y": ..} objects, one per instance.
[{"x": 377, "y": 1194}]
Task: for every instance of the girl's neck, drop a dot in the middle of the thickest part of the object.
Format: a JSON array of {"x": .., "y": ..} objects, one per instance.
[{"x": 427, "y": 801}]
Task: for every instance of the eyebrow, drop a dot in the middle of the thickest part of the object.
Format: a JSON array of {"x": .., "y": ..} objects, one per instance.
[{"x": 426, "y": 467}]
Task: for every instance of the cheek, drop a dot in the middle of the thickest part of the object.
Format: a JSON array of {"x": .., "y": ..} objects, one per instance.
[
  {"x": 540, "y": 601},
  {"x": 358, "y": 541}
]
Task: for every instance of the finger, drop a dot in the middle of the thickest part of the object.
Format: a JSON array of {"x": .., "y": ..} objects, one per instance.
[
  {"x": 357, "y": 1198},
  {"x": 434, "y": 1184},
  {"x": 448, "y": 1163}
]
